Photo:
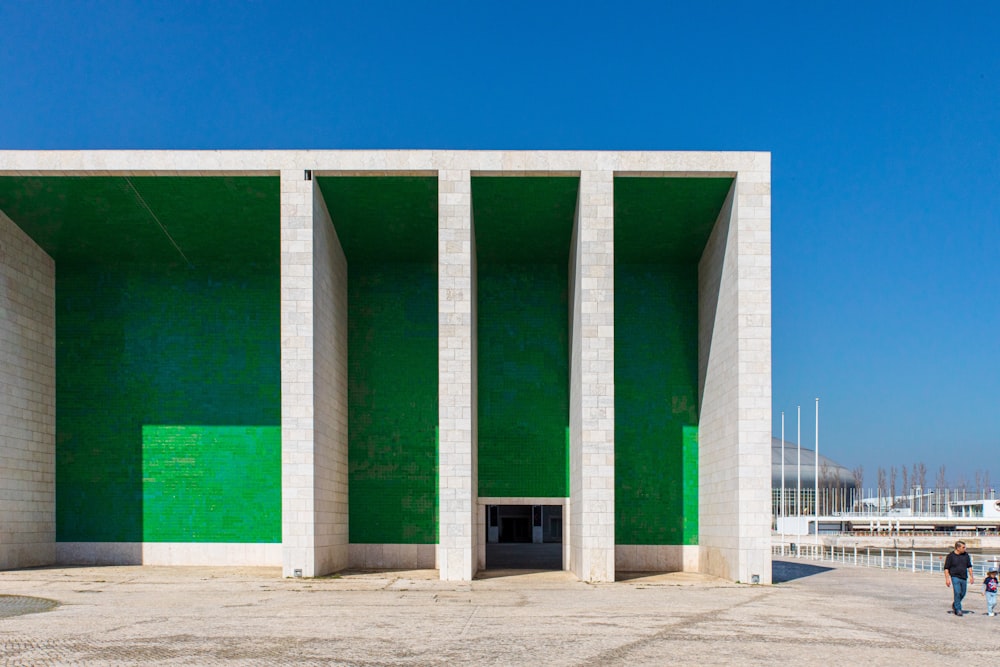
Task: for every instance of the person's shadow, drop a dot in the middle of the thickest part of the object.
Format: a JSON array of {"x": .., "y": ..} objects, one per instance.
[{"x": 783, "y": 570}]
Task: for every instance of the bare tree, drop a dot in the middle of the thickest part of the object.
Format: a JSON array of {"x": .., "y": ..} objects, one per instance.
[
  {"x": 920, "y": 477},
  {"x": 963, "y": 482},
  {"x": 881, "y": 484},
  {"x": 941, "y": 486},
  {"x": 892, "y": 484},
  {"x": 906, "y": 479},
  {"x": 978, "y": 480},
  {"x": 859, "y": 480}
]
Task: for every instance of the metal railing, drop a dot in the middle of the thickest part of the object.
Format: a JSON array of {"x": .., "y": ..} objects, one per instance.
[{"x": 913, "y": 560}]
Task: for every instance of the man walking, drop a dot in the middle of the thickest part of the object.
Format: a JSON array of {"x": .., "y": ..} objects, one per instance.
[{"x": 958, "y": 574}]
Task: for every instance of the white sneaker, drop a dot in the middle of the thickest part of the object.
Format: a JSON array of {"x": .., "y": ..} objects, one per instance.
[{"x": 991, "y": 614}]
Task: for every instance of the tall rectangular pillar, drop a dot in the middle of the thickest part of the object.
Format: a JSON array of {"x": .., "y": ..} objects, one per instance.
[
  {"x": 457, "y": 477},
  {"x": 591, "y": 538},
  {"x": 27, "y": 402},
  {"x": 313, "y": 383},
  {"x": 734, "y": 349}
]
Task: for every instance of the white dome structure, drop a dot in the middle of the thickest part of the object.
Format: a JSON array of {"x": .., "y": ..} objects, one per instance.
[{"x": 831, "y": 473}]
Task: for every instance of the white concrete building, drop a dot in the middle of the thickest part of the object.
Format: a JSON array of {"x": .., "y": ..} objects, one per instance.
[{"x": 162, "y": 403}]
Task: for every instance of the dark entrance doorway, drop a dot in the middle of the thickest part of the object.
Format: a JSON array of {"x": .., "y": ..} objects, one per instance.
[
  {"x": 524, "y": 537},
  {"x": 515, "y": 529}
]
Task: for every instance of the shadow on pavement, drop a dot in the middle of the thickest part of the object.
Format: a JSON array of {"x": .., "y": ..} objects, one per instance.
[
  {"x": 501, "y": 572},
  {"x": 524, "y": 556},
  {"x": 782, "y": 571},
  {"x": 629, "y": 576}
]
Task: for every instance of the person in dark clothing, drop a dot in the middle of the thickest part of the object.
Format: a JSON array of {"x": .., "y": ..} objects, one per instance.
[{"x": 958, "y": 574}]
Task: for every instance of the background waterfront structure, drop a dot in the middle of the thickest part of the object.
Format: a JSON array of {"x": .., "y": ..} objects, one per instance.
[
  {"x": 324, "y": 359},
  {"x": 800, "y": 478}
]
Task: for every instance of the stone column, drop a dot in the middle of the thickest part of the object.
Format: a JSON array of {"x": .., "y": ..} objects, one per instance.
[
  {"x": 330, "y": 386},
  {"x": 313, "y": 383},
  {"x": 734, "y": 350},
  {"x": 457, "y": 479},
  {"x": 591, "y": 537},
  {"x": 27, "y": 401}
]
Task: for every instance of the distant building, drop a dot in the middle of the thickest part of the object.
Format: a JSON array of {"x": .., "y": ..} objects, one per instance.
[
  {"x": 837, "y": 485},
  {"x": 831, "y": 473}
]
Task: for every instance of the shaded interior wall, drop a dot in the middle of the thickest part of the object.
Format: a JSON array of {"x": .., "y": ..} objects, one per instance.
[
  {"x": 523, "y": 379},
  {"x": 718, "y": 376},
  {"x": 572, "y": 517},
  {"x": 735, "y": 376},
  {"x": 168, "y": 391},
  {"x": 393, "y": 373},
  {"x": 656, "y": 404},
  {"x": 27, "y": 401},
  {"x": 330, "y": 393}
]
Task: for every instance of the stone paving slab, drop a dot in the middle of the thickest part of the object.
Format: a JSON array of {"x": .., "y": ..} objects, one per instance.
[{"x": 251, "y": 616}]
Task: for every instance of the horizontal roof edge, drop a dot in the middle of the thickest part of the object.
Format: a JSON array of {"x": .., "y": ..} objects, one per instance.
[{"x": 271, "y": 162}]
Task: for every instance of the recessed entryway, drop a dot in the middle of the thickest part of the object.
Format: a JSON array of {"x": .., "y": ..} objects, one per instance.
[{"x": 524, "y": 537}]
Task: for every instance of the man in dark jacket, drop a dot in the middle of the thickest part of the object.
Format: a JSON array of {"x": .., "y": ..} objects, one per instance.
[{"x": 958, "y": 574}]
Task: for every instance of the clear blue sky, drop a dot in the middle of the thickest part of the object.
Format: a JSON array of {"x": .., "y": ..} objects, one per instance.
[{"x": 883, "y": 123}]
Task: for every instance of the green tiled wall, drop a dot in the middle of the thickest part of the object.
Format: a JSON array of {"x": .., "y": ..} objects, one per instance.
[
  {"x": 193, "y": 354},
  {"x": 656, "y": 404},
  {"x": 392, "y": 397},
  {"x": 523, "y": 371},
  {"x": 199, "y": 481}
]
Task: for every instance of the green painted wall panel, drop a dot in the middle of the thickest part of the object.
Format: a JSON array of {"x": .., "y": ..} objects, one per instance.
[
  {"x": 393, "y": 403},
  {"x": 523, "y": 230},
  {"x": 148, "y": 345},
  {"x": 177, "y": 220},
  {"x": 656, "y": 404},
  {"x": 211, "y": 483},
  {"x": 384, "y": 218},
  {"x": 523, "y": 371},
  {"x": 690, "y": 484},
  {"x": 666, "y": 220}
]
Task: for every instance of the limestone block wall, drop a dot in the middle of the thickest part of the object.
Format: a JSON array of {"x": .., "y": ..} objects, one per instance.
[
  {"x": 313, "y": 383},
  {"x": 591, "y": 539},
  {"x": 735, "y": 383},
  {"x": 753, "y": 194},
  {"x": 330, "y": 387},
  {"x": 718, "y": 377},
  {"x": 657, "y": 557},
  {"x": 457, "y": 480},
  {"x": 27, "y": 401}
]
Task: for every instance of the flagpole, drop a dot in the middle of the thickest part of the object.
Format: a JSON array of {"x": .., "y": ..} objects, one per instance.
[
  {"x": 781, "y": 508},
  {"x": 798, "y": 487},
  {"x": 816, "y": 475}
]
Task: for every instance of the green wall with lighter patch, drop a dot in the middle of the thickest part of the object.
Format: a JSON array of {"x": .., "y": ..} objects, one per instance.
[
  {"x": 656, "y": 404},
  {"x": 168, "y": 384},
  {"x": 199, "y": 481},
  {"x": 189, "y": 349},
  {"x": 387, "y": 227},
  {"x": 661, "y": 228}
]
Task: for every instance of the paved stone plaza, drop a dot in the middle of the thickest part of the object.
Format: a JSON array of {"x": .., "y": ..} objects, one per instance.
[{"x": 212, "y": 616}]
